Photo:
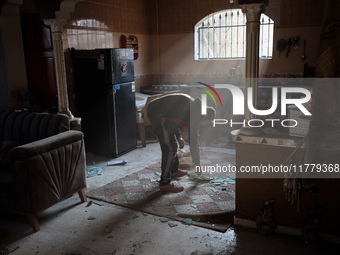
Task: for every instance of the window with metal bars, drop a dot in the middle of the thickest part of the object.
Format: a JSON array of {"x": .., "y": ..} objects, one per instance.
[{"x": 222, "y": 35}]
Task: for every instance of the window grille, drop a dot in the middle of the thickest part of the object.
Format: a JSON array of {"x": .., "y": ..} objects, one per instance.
[{"x": 222, "y": 35}]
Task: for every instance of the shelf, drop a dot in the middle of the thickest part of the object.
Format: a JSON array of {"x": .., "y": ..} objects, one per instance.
[{"x": 130, "y": 42}]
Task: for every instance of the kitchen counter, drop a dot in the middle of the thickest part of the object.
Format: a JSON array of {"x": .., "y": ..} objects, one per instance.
[{"x": 251, "y": 193}]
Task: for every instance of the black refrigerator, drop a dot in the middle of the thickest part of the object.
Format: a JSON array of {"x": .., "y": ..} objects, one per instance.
[{"x": 105, "y": 100}]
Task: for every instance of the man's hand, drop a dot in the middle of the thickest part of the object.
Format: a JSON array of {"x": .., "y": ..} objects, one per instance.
[{"x": 181, "y": 143}]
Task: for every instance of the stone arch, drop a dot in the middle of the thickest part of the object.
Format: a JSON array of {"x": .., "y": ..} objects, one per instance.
[{"x": 66, "y": 8}]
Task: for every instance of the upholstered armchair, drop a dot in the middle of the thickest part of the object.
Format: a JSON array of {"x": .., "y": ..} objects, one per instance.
[{"x": 41, "y": 162}]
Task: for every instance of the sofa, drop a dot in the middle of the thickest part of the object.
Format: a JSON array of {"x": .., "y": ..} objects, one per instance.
[{"x": 42, "y": 162}]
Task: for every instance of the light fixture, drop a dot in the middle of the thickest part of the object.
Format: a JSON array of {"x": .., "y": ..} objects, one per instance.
[{"x": 231, "y": 1}]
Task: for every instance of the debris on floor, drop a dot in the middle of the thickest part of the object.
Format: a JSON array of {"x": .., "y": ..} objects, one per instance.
[
  {"x": 218, "y": 181},
  {"x": 93, "y": 170},
  {"x": 221, "y": 184},
  {"x": 195, "y": 177},
  {"x": 100, "y": 203},
  {"x": 214, "y": 190},
  {"x": 116, "y": 162},
  {"x": 187, "y": 221},
  {"x": 91, "y": 218},
  {"x": 164, "y": 219},
  {"x": 172, "y": 224}
]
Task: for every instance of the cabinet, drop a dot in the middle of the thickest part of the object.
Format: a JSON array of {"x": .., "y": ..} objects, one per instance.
[{"x": 130, "y": 42}]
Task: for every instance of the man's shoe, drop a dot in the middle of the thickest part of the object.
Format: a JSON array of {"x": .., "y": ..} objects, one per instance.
[
  {"x": 172, "y": 187},
  {"x": 179, "y": 173}
]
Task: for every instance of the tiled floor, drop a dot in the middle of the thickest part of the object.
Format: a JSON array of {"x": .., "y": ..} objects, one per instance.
[{"x": 69, "y": 227}]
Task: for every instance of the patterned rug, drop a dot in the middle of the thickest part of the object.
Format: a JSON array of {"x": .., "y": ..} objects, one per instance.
[{"x": 207, "y": 199}]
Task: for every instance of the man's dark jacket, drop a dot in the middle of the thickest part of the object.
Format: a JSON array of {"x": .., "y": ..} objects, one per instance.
[{"x": 182, "y": 110}]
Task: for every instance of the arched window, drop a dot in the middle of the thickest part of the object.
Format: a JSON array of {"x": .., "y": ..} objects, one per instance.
[{"x": 222, "y": 35}]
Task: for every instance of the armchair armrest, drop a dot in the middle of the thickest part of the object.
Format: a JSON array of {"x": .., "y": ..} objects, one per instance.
[
  {"x": 48, "y": 170},
  {"x": 44, "y": 145}
]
